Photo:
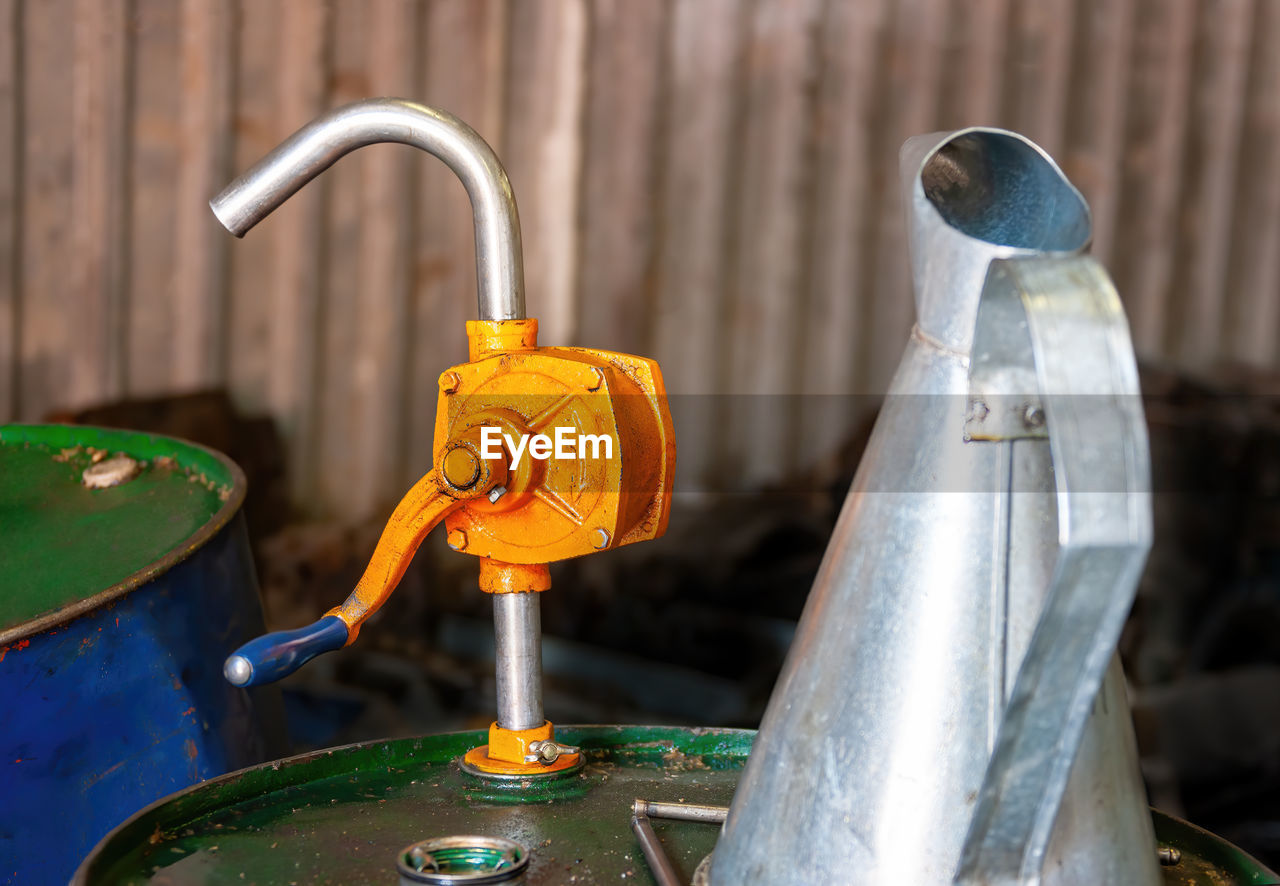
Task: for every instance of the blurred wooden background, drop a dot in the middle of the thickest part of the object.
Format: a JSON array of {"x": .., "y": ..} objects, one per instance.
[{"x": 709, "y": 182}]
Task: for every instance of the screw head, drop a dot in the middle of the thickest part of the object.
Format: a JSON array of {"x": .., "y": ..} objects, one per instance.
[
  {"x": 461, "y": 467},
  {"x": 457, "y": 539},
  {"x": 449, "y": 382},
  {"x": 1033, "y": 416},
  {"x": 600, "y": 539}
]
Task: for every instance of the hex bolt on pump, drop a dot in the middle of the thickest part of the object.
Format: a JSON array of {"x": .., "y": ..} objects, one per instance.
[{"x": 507, "y": 479}]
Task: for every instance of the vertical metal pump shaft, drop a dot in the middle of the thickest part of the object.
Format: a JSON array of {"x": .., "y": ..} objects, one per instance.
[
  {"x": 318, "y": 145},
  {"x": 517, "y": 627}
]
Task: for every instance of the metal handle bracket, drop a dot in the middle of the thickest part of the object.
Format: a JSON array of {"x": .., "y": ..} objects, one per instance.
[{"x": 1054, "y": 328}]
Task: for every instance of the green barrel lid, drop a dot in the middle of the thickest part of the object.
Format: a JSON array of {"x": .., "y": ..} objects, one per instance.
[
  {"x": 344, "y": 815},
  {"x": 66, "y": 549},
  {"x": 1205, "y": 859}
]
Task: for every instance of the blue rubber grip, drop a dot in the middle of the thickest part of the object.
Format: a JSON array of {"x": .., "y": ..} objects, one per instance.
[{"x": 273, "y": 656}]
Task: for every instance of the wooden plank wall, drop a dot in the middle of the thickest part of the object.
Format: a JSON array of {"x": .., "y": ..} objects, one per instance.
[{"x": 710, "y": 182}]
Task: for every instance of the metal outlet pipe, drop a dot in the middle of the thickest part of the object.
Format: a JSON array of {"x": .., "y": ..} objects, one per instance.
[
  {"x": 318, "y": 145},
  {"x": 517, "y": 628}
]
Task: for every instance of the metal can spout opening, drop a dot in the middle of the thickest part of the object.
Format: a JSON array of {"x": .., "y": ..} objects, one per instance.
[{"x": 999, "y": 188}]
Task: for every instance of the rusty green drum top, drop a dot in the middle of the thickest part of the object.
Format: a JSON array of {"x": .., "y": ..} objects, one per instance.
[
  {"x": 346, "y": 815},
  {"x": 1204, "y": 859},
  {"x": 342, "y": 816},
  {"x": 66, "y": 549}
]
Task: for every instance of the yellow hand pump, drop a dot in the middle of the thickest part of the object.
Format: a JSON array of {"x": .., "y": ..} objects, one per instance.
[{"x": 540, "y": 453}]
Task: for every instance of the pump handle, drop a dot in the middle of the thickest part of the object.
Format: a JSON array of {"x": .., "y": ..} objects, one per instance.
[{"x": 276, "y": 655}]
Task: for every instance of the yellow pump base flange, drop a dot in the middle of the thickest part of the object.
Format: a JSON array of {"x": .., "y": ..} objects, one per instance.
[{"x": 504, "y": 755}]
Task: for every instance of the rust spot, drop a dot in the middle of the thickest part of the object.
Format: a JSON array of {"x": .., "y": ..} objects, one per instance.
[
  {"x": 191, "y": 748},
  {"x": 94, "y": 779},
  {"x": 188, "y": 712},
  {"x": 21, "y": 644},
  {"x": 679, "y": 761}
]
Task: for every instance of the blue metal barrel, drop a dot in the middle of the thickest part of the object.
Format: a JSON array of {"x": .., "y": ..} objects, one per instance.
[{"x": 118, "y": 605}]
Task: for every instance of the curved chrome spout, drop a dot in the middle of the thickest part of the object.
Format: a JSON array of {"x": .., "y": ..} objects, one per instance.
[
  {"x": 318, "y": 145},
  {"x": 972, "y": 196}
]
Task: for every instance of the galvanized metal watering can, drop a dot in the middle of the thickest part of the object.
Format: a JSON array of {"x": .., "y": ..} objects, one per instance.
[{"x": 953, "y": 709}]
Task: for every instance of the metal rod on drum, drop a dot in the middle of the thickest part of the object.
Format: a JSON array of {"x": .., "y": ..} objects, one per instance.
[
  {"x": 517, "y": 628},
  {"x": 681, "y": 811},
  {"x": 659, "y": 864},
  {"x": 643, "y": 810}
]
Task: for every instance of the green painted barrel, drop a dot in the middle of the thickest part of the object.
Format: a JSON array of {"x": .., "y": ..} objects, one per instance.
[
  {"x": 346, "y": 815},
  {"x": 68, "y": 548},
  {"x": 1203, "y": 859},
  {"x": 125, "y": 579}
]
